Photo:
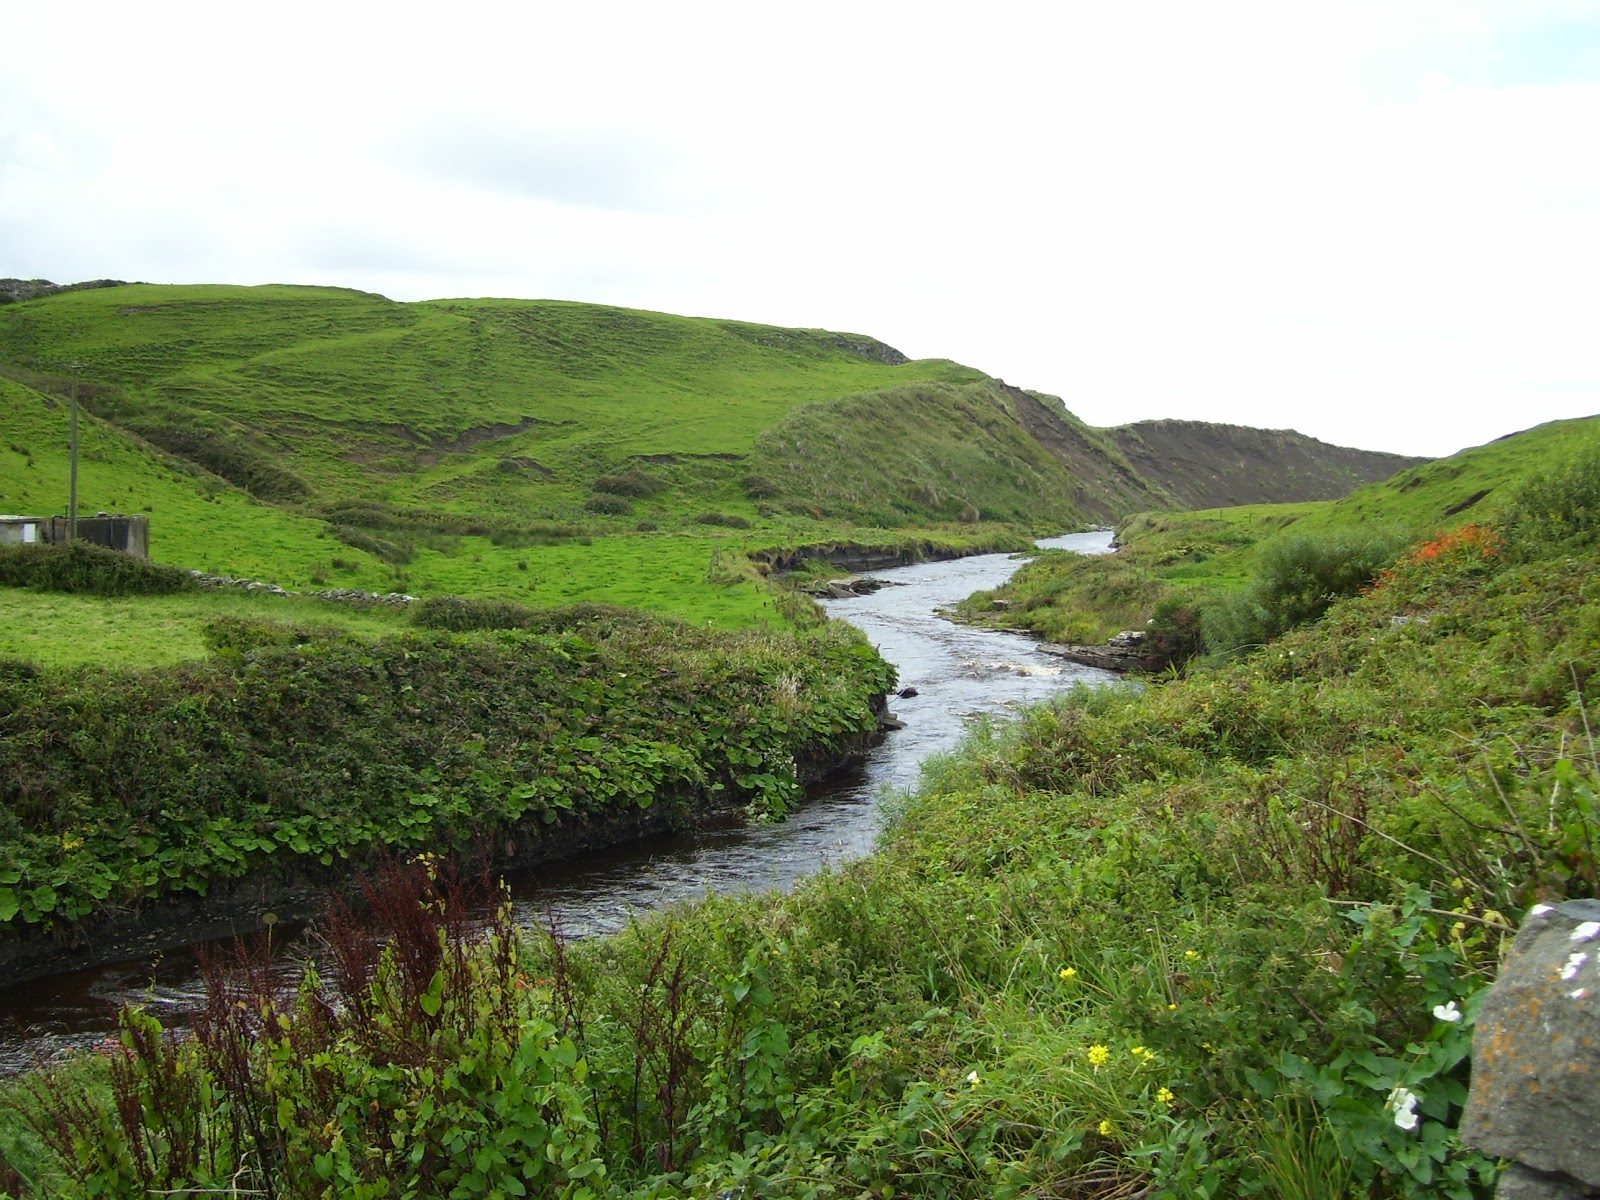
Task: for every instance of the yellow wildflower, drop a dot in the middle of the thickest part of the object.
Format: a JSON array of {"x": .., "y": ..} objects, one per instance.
[
  {"x": 1172, "y": 1008},
  {"x": 1139, "y": 1052},
  {"x": 1105, "y": 1128},
  {"x": 1166, "y": 1096},
  {"x": 1099, "y": 1055},
  {"x": 1068, "y": 973},
  {"x": 1192, "y": 955}
]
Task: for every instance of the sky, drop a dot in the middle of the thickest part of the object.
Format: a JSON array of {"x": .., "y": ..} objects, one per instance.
[{"x": 1374, "y": 221}]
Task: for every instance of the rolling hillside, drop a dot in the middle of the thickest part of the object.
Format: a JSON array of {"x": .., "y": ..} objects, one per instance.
[{"x": 307, "y": 433}]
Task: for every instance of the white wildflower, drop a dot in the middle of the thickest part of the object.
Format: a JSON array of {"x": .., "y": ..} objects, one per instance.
[
  {"x": 1403, "y": 1104},
  {"x": 1447, "y": 1012}
]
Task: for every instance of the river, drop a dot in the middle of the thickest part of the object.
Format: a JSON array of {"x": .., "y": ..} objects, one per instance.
[{"x": 958, "y": 672}]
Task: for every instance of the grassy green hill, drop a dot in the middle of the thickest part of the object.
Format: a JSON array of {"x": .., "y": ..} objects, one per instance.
[
  {"x": 539, "y": 451},
  {"x": 484, "y": 406},
  {"x": 515, "y": 411}
]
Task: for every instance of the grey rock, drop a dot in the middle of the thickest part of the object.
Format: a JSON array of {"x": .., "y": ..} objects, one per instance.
[
  {"x": 1535, "y": 1094},
  {"x": 1126, "y": 651},
  {"x": 1524, "y": 1183}
]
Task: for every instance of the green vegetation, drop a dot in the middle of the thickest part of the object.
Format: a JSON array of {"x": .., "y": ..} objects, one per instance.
[
  {"x": 318, "y": 439},
  {"x": 917, "y": 456},
  {"x": 1163, "y": 558},
  {"x": 1224, "y": 579},
  {"x": 297, "y": 745},
  {"x": 321, "y": 437},
  {"x": 1200, "y": 939},
  {"x": 483, "y": 406},
  {"x": 82, "y": 568}
]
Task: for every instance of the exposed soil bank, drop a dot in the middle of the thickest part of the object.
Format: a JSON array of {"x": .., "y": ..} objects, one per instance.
[
  {"x": 852, "y": 557},
  {"x": 303, "y": 888}
]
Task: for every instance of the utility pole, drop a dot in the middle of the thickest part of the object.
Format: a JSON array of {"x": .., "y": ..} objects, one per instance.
[
  {"x": 72, "y": 476},
  {"x": 75, "y": 368}
]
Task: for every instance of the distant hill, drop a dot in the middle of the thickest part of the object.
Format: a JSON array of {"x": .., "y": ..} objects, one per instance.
[
  {"x": 339, "y": 406},
  {"x": 1203, "y": 465}
]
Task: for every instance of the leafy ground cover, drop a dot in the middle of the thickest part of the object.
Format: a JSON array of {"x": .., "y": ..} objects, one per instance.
[
  {"x": 1222, "y": 936},
  {"x": 296, "y": 745}
]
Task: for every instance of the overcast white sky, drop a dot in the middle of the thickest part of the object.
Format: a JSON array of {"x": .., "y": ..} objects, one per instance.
[{"x": 1375, "y": 221}]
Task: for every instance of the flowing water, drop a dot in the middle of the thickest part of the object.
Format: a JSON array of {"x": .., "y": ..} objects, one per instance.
[{"x": 958, "y": 672}]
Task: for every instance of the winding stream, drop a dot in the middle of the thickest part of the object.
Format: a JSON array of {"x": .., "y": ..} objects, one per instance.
[{"x": 958, "y": 672}]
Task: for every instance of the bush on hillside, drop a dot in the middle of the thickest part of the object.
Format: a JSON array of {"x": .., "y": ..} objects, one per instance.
[
  {"x": 94, "y": 570},
  {"x": 395, "y": 553},
  {"x": 1559, "y": 508},
  {"x": 461, "y": 614},
  {"x": 1175, "y": 631},
  {"x": 759, "y": 487},
  {"x": 608, "y": 505},
  {"x": 231, "y": 453},
  {"x": 1297, "y": 580},
  {"x": 727, "y": 520},
  {"x": 242, "y": 635},
  {"x": 537, "y": 533},
  {"x": 635, "y": 484}
]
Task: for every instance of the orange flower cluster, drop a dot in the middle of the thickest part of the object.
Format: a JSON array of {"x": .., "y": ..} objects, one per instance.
[
  {"x": 1467, "y": 542},
  {"x": 1470, "y": 543}
]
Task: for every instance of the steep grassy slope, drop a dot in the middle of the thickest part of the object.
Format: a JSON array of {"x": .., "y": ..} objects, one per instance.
[
  {"x": 1474, "y": 485},
  {"x": 531, "y": 450},
  {"x": 197, "y": 520},
  {"x": 1204, "y": 465},
  {"x": 944, "y": 452}
]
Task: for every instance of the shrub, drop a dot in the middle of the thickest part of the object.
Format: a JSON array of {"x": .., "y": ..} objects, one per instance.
[
  {"x": 1175, "y": 630},
  {"x": 95, "y": 570},
  {"x": 631, "y": 483},
  {"x": 226, "y": 450},
  {"x": 759, "y": 487},
  {"x": 461, "y": 614},
  {"x": 1559, "y": 508},
  {"x": 608, "y": 505},
  {"x": 1297, "y": 579},
  {"x": 241, "y": 635},
  {"x": 730, "y": 520},
  {"x": 539, "y": 533}
]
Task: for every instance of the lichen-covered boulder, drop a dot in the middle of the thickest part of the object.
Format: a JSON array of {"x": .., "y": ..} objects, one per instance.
[{"x": 1535, "y": 1094}]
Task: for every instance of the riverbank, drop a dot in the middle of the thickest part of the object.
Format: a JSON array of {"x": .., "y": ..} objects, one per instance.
[{"x": 254, "y": 780}]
